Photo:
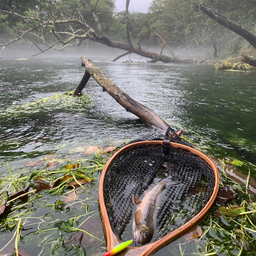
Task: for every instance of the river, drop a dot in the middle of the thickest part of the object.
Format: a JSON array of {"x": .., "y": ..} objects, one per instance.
[{"x": 215, "y": 109}]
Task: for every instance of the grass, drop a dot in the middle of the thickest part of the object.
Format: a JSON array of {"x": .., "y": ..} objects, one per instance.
[{"x": 59, "y": 202}]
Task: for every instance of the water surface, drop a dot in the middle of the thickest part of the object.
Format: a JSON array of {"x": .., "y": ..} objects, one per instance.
[{"x": 214, "y": 108}]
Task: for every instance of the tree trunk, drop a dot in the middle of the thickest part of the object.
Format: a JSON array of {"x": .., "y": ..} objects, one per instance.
[
  {"x": 235, "y": 27},
  {"x": 141, "y": 111}
]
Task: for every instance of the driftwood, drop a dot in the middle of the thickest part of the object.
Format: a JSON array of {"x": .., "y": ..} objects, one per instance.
[{"x": 131, "y": 105}]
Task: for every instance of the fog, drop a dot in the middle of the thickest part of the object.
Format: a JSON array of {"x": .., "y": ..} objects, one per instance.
[
  {"x": 98, "y": 52},
  {"x": 135, "y": 5}
]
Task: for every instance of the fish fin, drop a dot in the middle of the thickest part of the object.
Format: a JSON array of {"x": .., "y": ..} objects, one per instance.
[
  {"x": 136, "y": 199},
  {"x": 138, "y": 217}
]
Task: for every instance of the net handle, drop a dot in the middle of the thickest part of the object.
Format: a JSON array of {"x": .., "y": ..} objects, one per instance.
[{"x": 149, "y": 249}]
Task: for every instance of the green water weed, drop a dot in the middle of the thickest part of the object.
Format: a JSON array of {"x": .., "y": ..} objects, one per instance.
[{"x": 50, "y": 213}]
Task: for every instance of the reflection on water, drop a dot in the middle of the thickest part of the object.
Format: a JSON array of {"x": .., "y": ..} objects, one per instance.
[{"x": 214, "y": 107}]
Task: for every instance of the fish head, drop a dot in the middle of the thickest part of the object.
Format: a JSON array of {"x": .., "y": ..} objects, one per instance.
[{"x": 142, "y": 234}]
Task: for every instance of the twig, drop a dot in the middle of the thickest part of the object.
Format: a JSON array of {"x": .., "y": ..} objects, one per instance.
[
  {"x": 120, "y": 56},
  {"x": 161, "y": 38},
  {"x": 17, "y": 237},
  {"x": 18, "y": 38}
]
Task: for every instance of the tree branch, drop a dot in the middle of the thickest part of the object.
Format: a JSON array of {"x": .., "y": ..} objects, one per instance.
[
  {"x": 158, "y": 35},
  {"x": 18, "y": 38},
  {"x": 233, "y": 26},
  {"x": 120, "y": 56},
  {"x": 83, "y": 31}
]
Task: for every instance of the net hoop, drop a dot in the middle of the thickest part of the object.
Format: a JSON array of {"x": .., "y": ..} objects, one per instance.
[{"x": 149, "y": 249}]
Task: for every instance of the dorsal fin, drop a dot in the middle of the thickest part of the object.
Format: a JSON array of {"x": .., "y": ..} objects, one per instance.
[
  {"x": 136, "y": 199},
  {"x": 138, "y": 217}
]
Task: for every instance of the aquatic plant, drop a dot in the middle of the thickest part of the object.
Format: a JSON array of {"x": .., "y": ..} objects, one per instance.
[
  {"x": 56, "y": 102},
  {"x": 54, "y": 210},
  {"x": 40, "y": 209}
]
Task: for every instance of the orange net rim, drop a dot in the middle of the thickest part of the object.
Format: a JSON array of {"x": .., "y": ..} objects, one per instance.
[{"x": 148, "y": 249}]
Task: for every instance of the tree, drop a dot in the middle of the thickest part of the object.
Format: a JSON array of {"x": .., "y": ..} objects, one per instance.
[
  {"x": 70, "y": 26},
  {"x": 230, "y": 24},
  {"x": 240, "y": 10}
]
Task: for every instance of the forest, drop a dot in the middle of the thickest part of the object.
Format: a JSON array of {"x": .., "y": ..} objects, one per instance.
[{"x": 180, "y": 28}]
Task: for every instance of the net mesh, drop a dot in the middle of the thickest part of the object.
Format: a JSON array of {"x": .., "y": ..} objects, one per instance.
[{"x": 141, "y": 167}]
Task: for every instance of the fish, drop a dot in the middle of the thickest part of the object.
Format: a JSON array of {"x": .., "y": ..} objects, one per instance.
[{"x": 143, "y": 221}]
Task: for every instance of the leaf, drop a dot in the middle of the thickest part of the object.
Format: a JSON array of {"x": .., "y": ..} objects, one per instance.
[
  {"x": 197, "y": 232},
  {"x": 2, "y": 209},
  {"x": 225, "y": 194},
  {"x": 22, "y": 253},
  {"x": 92, "y": 149},
  {"x": 109, "y": 149},
  {"x": 231, "y": 211},
  {"x": 79, "y": 182},
  {"x": 34, "y": 163},
  {"x": 58, "y": 181},
  {"x": 40, "y": 185},
  {"x": 94, "y": 227},
  {"x": 23, "y": 198},
  {"x": 32, "y": 175},
  {"x": 72, "y": 166},
  {"x": 71, "y": 197},
  {"x": 237, "y": 163},
  {"x": 66, "y": 226}
]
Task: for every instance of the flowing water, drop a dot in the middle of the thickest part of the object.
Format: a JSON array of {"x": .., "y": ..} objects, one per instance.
[
  {"x": 212, "y": 107},
  {"x": 215, "y": 109}
]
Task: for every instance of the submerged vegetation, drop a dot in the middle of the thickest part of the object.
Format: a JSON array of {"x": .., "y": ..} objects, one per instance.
[
  {"x": 64, "y": 101},
  {"x": 41, "y": 209},
  {"x": 230, "y": 229},
  {"x": 239, "y": 66},
  {"x": 54, "y": 210}
]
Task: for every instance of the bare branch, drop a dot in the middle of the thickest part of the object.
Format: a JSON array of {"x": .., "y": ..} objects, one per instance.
[
  {"x": 151, "y": 27},
  {"x": 20, "y": 16},
  {"x": 120, "y": 56},
  {"x": 18, "y": 38}
]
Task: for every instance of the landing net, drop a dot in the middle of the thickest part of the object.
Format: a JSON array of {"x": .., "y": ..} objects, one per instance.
[{"x": 140, "y": 167}]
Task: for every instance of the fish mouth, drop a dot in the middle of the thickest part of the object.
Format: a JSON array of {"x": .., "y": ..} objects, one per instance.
[{"x": 142, "y": 235}]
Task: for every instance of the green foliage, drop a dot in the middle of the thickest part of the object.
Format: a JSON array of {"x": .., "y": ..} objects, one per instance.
[
  {"x": 179, "y": 22},
  {"x": 57, "y": 101},
  {"x": 54, "y": 212}
]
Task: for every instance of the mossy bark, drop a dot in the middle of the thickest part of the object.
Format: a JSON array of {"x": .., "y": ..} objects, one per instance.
[{"x": 143, "y": 112}]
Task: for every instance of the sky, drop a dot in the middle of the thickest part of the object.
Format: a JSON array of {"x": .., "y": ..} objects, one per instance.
[{"x": 135, "y": 5}]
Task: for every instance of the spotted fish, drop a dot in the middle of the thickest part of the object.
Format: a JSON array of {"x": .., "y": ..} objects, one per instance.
[{"x": 143, "y": 222}]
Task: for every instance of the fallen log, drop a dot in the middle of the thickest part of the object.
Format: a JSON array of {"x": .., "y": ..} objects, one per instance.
[
  {"x": 249, "y": 60},
  {"x": 131, "y": 105}
]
